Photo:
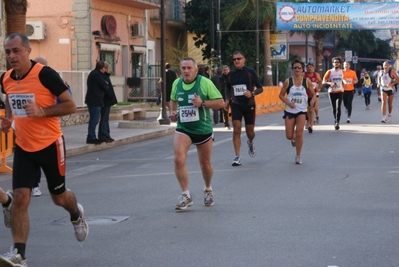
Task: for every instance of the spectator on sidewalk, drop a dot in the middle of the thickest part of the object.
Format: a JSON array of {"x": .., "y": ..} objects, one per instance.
[
  {"x": 96, "y": 88},
  {"x": 104, "y": 133},
  {"x": 223, "y": 83},
  {"x": 216, "y": 81}
]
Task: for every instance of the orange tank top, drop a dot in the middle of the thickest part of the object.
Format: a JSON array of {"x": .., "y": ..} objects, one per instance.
[{"x": 32, "y": 133}]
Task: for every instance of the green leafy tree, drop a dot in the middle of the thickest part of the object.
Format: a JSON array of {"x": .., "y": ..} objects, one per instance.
[{"x": 245, "y": 10}]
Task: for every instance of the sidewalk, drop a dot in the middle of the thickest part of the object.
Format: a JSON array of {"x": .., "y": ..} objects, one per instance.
[{"x": 75, "y": 136}]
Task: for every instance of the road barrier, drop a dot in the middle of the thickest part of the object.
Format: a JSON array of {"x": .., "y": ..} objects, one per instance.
[
  {"x": 6, "y": 146},
  {"x": 269, "y": 100}
]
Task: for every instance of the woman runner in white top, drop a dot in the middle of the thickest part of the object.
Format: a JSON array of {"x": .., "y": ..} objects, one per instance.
[
  {"x": 387, "y": 78},
  {"x": 295, "y": 113}
]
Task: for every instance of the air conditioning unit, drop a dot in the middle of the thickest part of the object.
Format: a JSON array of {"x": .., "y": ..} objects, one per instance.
[
  {"x": 35, "y": 30},
  {"x": 137, "y": 30}
]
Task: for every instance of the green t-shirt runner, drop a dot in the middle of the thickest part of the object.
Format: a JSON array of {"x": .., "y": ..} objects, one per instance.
[{"x": 191, "y": 119}]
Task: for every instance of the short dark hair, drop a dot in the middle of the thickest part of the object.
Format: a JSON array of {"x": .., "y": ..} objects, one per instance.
[
  {"x": 297, "y": 61},
  {"x": 337, "y": 58},
  {"x": 24, "y": 39},
  {"x": 167, "y": 65},
  {"x": 239, "y": 52},
  {"x": 100, "y": 65}
]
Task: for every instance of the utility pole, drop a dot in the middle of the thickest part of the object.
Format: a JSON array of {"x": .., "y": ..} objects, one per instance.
[
  {"x": 212, "y": 31},
  {"x": 163, "y": 118},
  {"x": 257, "y": 38},
  {"x": 218, "y": 34}
]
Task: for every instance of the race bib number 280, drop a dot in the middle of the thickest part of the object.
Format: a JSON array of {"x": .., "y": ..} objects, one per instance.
[{"x": 17, "y": 101}]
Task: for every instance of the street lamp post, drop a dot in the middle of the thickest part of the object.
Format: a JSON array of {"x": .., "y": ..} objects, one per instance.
[
  {"x": 163, "y": 118},
  {"x": 257, "y": 37}
]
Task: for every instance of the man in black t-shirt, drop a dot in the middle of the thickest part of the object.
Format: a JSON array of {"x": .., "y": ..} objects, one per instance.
[
  {"x": 171, "y": 76},
  {"x": 242, "y": 86}
]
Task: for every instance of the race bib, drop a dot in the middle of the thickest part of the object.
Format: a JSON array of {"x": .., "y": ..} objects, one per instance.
[
  {"x": 239, "y": 89},
  {"x": 348, "y": 81},
  {"x": 188, "y": 114},
  {"x": 297, "y": 100},
  {"x": 17, "y": 101}
]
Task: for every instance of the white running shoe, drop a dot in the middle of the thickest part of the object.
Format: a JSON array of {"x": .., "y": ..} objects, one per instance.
[
  {"x": 36, "y": 192},
  {"x": 389, "y": 118},
  {"x": 80, "y": 226},
  {"x": 12, "y": 259}
]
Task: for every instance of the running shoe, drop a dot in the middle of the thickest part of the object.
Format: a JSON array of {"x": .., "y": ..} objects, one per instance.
[
  {"x": 80, "y": 226},
  {"x": 298, "y": 160},
  {"x": 36, "y": 192},
  {"x": 389, "y": 118},
  {"x": 293, "y": 143},
  {"x": 310, "y": 129},
  {"x": 208, "y": 198},
  {"x": 251, "y": 149},
  {"x": 384, "y": 119},
  {"x": 317, "y": 120},
  {"x": 183, "y": 202},
  {"x": 348, "y": 120},
  {"x": 12, "y": 259},
  {"x": 336, "y": 126},
  {"x": 7, "y": 210},
  {"x": 236, "y": 161}
]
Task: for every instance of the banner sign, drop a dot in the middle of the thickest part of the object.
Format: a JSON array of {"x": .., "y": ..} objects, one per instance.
[
  {"x": 278, "y": 47},
  {"x": 337, "y": 16}
]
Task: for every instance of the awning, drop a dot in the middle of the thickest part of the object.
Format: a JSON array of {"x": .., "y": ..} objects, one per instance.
[
  {"x": 139, "y": 49},
  {"x": 109, "y": 47}
]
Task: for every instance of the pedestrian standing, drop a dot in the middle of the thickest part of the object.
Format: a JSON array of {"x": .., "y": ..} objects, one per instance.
[
  {"x": 170, "y": 77},
  {"x": 104, "y": 132},
  {"x": 216, "y": 81},
  {"x": 96, "y": 88},
  {"x": 223, "y": 84},
  {"x": 193, "y": 96},
  {"x": 31, "y": 105},
  {"x": 241, "y": 90},
  {"x": 294, "y": 94},
  {"x": 350, "y": 79},
  {"x": 334, "y": 79}
]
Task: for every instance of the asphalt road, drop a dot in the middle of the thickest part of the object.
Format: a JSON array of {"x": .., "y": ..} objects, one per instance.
[{"x": 339, "y": 208}]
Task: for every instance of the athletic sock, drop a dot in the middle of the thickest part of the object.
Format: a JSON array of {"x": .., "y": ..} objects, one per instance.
[{"x": 20, "y": 249}]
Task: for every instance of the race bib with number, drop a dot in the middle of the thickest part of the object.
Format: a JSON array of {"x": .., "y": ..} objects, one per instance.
[
  {"x": 188, "y": 114},
  {"x": 239, "y": 89},
  {"x": 297, "y": 99},
  {"x": 17, "y": 101}
]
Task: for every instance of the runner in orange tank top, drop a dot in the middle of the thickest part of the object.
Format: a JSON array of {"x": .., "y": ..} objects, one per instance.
[{"x": 31, "y": 90}]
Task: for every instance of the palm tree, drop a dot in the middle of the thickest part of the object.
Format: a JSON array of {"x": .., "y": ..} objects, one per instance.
[
  {"x": 246, "y": 10},
  {"x": 16, "y": 15}
]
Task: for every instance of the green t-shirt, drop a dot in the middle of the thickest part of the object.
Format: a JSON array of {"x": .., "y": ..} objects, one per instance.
[{"x": 192, "y": 119}]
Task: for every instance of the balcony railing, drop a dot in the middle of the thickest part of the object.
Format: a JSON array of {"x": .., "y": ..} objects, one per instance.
[{"x": 139, "y": 4}]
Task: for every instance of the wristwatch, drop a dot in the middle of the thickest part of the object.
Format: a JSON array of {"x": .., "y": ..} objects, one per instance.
[
  {"x": 253, "y": 93},
  {"x": 203, "y": 103}
]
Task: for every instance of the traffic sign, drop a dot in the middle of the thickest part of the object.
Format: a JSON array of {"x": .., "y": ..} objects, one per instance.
[
  {"x": 354, "y": 59},
  {"x": 348, "y": 55}
]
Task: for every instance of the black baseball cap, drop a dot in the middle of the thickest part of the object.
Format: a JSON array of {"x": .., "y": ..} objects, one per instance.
[{"x": 309, "y": 64}]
